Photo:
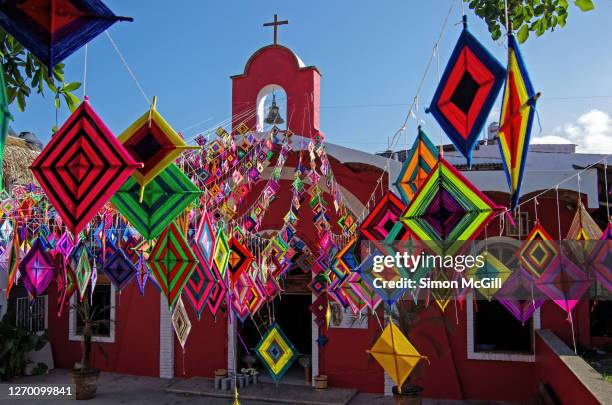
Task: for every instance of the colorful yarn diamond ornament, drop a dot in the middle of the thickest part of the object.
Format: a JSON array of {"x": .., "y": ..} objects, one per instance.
[
  {"x": 601, "y": 259},
  {"x": 205, "y": 237},
  {"x": 493, "y": 269},
  {"x": 152, "y": 141},
  {"x": 381, "y": 219},
  {"x": 394, "y": 352},
  {"x": 82, "y": 167},
  {"x": 201, "y": 283},
  {"x": 119, "y": 269},
  {"x": 538, "y": 251},
  {"x": 171, "y": 263},
  {"x": 276, "y": 352},
  {"x": 142, "y": 273},
  {"x": 519, "y": 295},
  {"x": 221, "y": 254},
  {"x": 181, "y": 322},
  {"x": 37, "y": 268},
  {"x": 165, "y": 197},
  {"x": 54, "y": 29},
  {"x": 239, "y": 260},
  {"x": 517, "y": 112},
  {"x": 448, "y": 208},
  {"x": 422, "y": 157},
  {"x": 467, "y": 91},
  {"x": 564, "y": 283}
]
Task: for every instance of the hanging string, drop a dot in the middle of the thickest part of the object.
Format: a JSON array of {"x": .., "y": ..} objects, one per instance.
[
  {"x": 85, "y": 74},
  {"x": 606, "y": 190},
  {"x": 129, "y": 70},
  {"x": 558, "y": 213},
  {"x": 508, "y": 28}
]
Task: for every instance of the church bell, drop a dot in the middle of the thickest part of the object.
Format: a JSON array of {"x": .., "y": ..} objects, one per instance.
[{"x": 274, "y": 116}]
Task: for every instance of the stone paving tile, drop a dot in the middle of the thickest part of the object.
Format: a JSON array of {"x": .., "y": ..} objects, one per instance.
[{"x": 126, "y": 389}]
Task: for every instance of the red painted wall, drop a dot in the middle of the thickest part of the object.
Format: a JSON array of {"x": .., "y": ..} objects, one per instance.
[
  {"x": 552, "y": 371},
  {"x": 136, "y": 347}
]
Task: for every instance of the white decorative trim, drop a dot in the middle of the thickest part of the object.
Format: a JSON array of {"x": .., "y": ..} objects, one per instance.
[
  {"x": 72, "y": 335},
  {"x": 231, "y": 343},
  {"x": 166, "y": 340},
  {"x": 517, "y": 357},
  {"x": 314, "y": 348}
]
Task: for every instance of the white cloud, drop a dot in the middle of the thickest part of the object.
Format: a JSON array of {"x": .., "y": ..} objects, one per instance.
[{"x": 592, "y": 133}]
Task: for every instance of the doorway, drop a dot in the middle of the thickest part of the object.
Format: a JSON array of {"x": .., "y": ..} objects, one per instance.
[{"x": 292, "y": 314}]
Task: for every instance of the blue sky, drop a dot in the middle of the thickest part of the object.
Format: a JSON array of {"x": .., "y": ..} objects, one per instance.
[{"x": 371, "y": 56}]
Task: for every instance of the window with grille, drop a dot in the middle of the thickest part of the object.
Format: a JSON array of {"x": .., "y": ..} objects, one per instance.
[
  {"x": 520, "y": 228},
  {"x": 32, "y": 315}
]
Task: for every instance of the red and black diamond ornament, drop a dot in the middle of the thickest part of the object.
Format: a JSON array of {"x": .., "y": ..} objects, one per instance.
[{"x": 466, "y": 92}]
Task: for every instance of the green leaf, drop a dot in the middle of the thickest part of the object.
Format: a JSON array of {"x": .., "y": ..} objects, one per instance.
[
  {"x": 72, "y": 101},
  {"x": 585, "y": 5},
  {"x": 70, "y": 87},
  {"x": 523, "y": 33},
  {"x": 57, "y": 102}
]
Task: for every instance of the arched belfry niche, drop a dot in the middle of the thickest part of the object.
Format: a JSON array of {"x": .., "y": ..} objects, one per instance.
[
  {"x": 269, "y": 68},
  {"x": 264, "y": 98}
]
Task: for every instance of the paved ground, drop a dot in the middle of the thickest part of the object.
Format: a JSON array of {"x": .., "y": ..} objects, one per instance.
[{"x": 124, "y": 389}]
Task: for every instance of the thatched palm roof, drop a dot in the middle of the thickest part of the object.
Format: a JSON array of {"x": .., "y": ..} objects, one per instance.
[{"x": 18, "y": 156}]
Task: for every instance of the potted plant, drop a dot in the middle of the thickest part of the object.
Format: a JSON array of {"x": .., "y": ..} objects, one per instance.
[
  {"x": 86, "y": 378},
  {"x": 15, "y": 346},
  {"x": 306, "y": 362}
]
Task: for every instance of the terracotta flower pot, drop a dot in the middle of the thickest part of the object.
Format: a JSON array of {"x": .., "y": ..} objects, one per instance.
[
  {"x": 320, "y": 382},
  {"x": 410, "y": 395},
  {"x": 86, "y": 382},
  {"x": 307, "y": 380}
]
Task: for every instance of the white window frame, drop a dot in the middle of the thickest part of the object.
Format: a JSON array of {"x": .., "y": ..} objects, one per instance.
[
  {"x": 72, "y": 335},
  {"x": 497, "y": 356},
  {"x": 46, "y": 308}
]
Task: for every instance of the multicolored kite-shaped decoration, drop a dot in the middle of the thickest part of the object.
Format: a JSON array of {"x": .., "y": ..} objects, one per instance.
[
  {"x": 14, "y": 257},
  {"x": 54, "y": 29},
  {"x": 466, "y": 93},
  {"x": 538, "y": 251},
  {"x": 394, "y": 352},
  {"x": 276, "y": 352},
  {"x": 37, "y": 268},
  {"x": 379, "y": 222},
  {"x": 201, "y": 282},
  {"x": 448, "y": 208},
  {"x": 142, "y": 273},
  {"x": 152, "y": 141},
  {"x": 221, "y": 254},
  {"x": 218, "y": 293},
  {"x": 164, "y": 198},
  {"x": 493, "y": 268},
  {"x": 172, "y": 262},
  {"x": 518, "y": 295},
  {"x": 600, "y": 260},
  {"x": 518, "y": 108},
  {"x": 181, "y": 323},
  {"x": 119, "y": 269},
  {"x": 563, "y": 282},
  {"x": 205, "y": 237},
  {"x": 240, "y": 258},
  {"x": 420, "y": 160},
  {"x": 82, "y": 167}
]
